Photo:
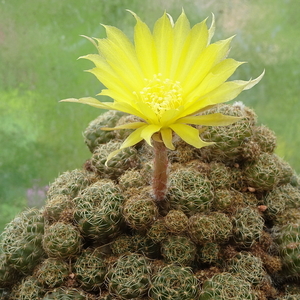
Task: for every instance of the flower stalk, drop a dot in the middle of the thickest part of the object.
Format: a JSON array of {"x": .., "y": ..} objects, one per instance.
[{"x": 160, "y": 172}]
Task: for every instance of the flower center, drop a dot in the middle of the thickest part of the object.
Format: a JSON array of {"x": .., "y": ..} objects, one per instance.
[{"x": 161, "y": 94}]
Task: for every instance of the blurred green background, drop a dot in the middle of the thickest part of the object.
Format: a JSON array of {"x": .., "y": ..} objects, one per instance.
[{"x": 39, "y": 46}]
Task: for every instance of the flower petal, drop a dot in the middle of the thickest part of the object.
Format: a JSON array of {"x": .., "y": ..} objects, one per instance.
[
  {"x": 133, "y": 125},
  {"x": 148, "y": 131},
  {"x": 145, "y": 48},
  {"x": 170, "y": 116},
  {"x": 218, "y": 75},
  {"x": 88, "y": 100},
  {"x": 224, "y": 93},
  {"x": 216, "y": 119},
  {"x": 195, "y": 43},
  {"x": 210, "y": 56},
  {"x": 148, "y": 114},
  {"x": 167, "y": 136},
  {"x": 132, "y": 139},
  {"x": 120, "y": 55},
  {"x": 181, "y": 32},
  {"x": 163, "y": 35},
  {"x": 190, "y": 135}
]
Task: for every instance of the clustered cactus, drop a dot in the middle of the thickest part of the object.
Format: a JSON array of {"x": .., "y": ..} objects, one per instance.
[{"x": 228, "y": 229}]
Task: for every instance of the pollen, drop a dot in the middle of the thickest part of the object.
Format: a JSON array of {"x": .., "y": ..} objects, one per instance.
[{"x": 161, "y": 94}]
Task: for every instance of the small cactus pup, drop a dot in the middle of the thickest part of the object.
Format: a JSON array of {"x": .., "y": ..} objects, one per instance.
[
  {"x": 21, "y": 242},
  {"x": 62, "y": 240},
  {"x": 165, "y": 91},
  {"x": 129, "y": 277},
  {"x": 225, "y": 286},
  {"x": 174, "y": 282}
]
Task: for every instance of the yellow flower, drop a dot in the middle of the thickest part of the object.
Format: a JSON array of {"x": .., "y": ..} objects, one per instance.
[{"x": 165, "y": 78}]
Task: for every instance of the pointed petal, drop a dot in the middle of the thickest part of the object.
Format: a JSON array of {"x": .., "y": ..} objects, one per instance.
[
  {"x": 145, "y": 48},
  {"x": 169, "y": 116},
  {"x": 216, "y": 119},
  {"x": 167, "y": 136},
  {"x": 224, "y": 93},
  {"x": 255, "y": 81},
  {"x": 189, "y": 134},
  {"x": 164, "y": 39},
  {"x": 148, "y": 131},
  {"x": 133, "y": 125},
  {"x": 148, "y": 114},
  {"x": 212, "y": 28},
  {"x": 112, "y": 81},
  {"x": 195, "y": 43},
  {"x": 211, "y": 56},
  {"x": 218, "y": 75},
  {"x": 181, "y": 31},
  {"x": 87, "y": 100},
  {"x": 90, "y": 39},
  {"x": 120, "y": 55},
  {"x": 132, "y": 139}
]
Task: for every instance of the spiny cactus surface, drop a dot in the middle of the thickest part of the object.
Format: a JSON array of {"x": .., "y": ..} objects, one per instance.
[{"x": 229, "y": 227}]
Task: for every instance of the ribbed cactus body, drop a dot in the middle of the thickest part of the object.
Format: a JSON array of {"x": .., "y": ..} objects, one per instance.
[
  {"x": 62, "y": 240},
  {"x": 215, "y": 227},
  {"x": 225, "y": 286},
  {"x": 116, "y": 166},
  {"x": 227, "y": 229},
  {"x": 179, "y": 249},
  {"x": 140, "y": 212},
  {"x": 247, "y": 226},
  {"x": 189, "y": 191},
  {"x": 174, "y": 282},
  {"x": 70, "y": 183},
  {"x": 288, "y": 240},
  {"x": 52, "y": 272},
  {"x": 98, "y": 210},
  {"x": 129, "y": 277},
  {"x": 94, "y": 136},
  {"x": 21, "y": 240},
  {"x": 67, "y": 294},
  {"x": 28, "y": 289},
  {"x": 90, "y": 269},
  {"x": 232, "y": 141}
]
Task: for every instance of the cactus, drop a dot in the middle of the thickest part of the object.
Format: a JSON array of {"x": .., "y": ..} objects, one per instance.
[
  {"x": 52, "y": 272},
  {"x": 231, "y": 141},
  {"x": 62, "y": 240},
  {"x": 98, "y": 210},
  {"x": 70, "y": 183},
  {"x": 21, "y": 241},
  {"x": 189, "y": 191},
  {"x": 288, "y": 240},
  {"x": 140, "y": 211},
  {"x": 124, "y": 160},
  {"x": 28, "y": 289},
  {"x": 178, "y": 249},
  {"x": 227, "y": 229},
  {"x": 249, "y": 267},
  {"x": 247, "y": 226},
  {"x": 176, "y": 221},
  {"x": 129, "y": 277},
  {"x": 94, "y": 136},
  {"x": 90, "y": 269},
  {"x": 215, "y": 227},
  {"x": 174, "y": 282},
  {"x": 67, "y": 294},
  {"x": 225, "y": 286}
]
